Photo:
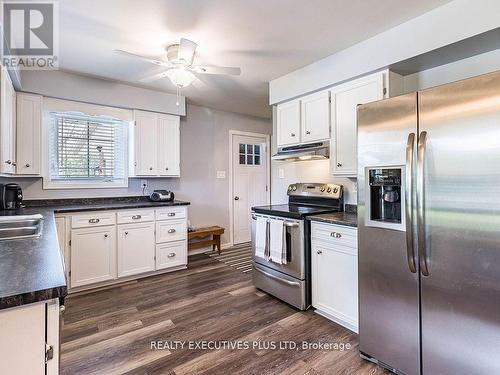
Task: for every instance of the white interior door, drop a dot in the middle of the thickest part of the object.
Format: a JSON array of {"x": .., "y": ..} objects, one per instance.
[{"x": 250, "y": 181}]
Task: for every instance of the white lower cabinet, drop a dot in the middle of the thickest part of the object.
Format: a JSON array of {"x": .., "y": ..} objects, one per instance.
[
  {"x": 93, "y": 255},
  {"x": 103, "y": 247},
  {"x": 171, "y": 254},
  {"x": 136, "y": 248},
  {"x": 28, "y": 332},
  {"x": 334, "y": 272}
]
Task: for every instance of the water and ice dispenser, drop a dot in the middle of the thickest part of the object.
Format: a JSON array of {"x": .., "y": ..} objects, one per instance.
[{"x": 386, "y": 200}]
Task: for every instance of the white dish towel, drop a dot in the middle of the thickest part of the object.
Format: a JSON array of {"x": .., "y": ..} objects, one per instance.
[
  {"x": 277, "y": 241},
  {"x": 260, "y": 237}
]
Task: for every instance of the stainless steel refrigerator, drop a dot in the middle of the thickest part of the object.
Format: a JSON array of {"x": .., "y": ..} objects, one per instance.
[{"x": 429, "y": 229}]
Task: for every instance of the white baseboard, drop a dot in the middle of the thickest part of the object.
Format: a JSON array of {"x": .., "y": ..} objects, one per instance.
[{"x": 336, "y": 319}]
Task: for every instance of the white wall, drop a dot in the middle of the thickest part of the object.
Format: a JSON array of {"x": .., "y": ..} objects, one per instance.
[
  {"x": 462, "y": 69},
  {"x": 65, "y": 85},
  {"x": 450, "y": 23}
]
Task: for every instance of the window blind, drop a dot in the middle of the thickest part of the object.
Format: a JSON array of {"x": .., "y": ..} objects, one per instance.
[{"x": 87, "y": 148}]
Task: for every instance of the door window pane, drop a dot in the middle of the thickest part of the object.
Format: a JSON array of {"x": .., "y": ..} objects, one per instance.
[
  {"x": 250, "y": 154},
  {"x": 242, "y": 148},
  {"x": 242, "y": 159}
]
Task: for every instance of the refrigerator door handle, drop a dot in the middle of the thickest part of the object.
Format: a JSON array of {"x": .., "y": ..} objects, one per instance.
[
  {"x": 410, "y": 251},
  {"x": 422, "y": 252}
]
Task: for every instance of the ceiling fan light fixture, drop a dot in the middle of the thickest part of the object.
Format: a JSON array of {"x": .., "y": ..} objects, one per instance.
[{"x": 180, "y": 77}]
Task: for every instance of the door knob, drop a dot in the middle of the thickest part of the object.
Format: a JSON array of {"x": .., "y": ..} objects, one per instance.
[
  {"x": 126, "y": 233},
  {"x": 27, "y": 165},
  {"x": 236, "y": 198},
  {"x": 150, "y": 168},
  {"x": 105, "y": 236}
]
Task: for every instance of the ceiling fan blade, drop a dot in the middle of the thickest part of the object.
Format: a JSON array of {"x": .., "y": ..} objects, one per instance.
[
  {"x": 205, "y": 69},
  {"x": 154, "y": 77},
  {"x": 144, "y": 58},
  {"x": 186, "y": 50}
]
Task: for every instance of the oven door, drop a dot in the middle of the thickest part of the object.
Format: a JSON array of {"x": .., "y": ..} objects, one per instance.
[{"x": 295, "y": 249}]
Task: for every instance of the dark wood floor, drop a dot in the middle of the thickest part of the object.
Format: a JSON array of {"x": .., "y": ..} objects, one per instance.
[{"x": 110, "y": 331}]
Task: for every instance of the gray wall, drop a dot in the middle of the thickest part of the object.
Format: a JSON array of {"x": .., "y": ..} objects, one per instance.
[{"x": 204, "y": 150}]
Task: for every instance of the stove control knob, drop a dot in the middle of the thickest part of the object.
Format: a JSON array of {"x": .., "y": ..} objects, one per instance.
[
  {"x": 335, "y": 190},
  {"x": 290, "y": 188},
  {"x": 294, "y": 187},
  {"x": 322, "y": 189},
  {"x": 329, "y": 190}
]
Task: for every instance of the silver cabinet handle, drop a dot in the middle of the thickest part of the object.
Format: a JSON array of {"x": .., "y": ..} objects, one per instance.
[
  {"x": 14, "y": 164},
  {"x": 171, "y": 255},
  {"x": 308, "y": 132},
  {"x": 171, "y": 214},
  {"x": 292, "y": 134},
  {"x": 339, "y": 165},
  {"x": 292, "y": 283},
  {"x": 8, "y": 162},
  {"x": 94, "y": 221},
  {"x": 410, "y": 253},
  {"x": 126, "y": 233},
  {"x": 136, "y": 217},
  {"x": 236, "y": 198},
  {"x": 171, "y": 230},
  {"x": 422, "y": 253},
  {"x": 336, "y": 235},
  {"x": 319, "y": 252}
]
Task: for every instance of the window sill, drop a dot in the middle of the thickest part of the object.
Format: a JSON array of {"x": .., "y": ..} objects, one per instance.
[{"x": 75, "y": 184}]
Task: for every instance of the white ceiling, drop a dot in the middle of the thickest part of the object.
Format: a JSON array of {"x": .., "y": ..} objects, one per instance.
[{"x": 266, "y": 38}]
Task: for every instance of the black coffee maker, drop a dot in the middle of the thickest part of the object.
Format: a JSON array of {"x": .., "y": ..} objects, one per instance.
[{"x": 11, "y": 196}]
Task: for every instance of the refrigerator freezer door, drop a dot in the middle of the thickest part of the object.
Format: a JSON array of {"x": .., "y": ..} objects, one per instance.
[
  {"x": 388, "y": 289},
  {"x": 461, "y": 204}
]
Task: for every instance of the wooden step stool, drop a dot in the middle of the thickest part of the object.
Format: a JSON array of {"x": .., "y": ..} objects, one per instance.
[{"x": 214, "y": 231}]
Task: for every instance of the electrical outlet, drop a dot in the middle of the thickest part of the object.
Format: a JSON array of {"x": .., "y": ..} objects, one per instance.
[{"x": 144, "y": 184}]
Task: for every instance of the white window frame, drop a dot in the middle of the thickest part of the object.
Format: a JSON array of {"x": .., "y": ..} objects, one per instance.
[{"x": 57, "y": 105}]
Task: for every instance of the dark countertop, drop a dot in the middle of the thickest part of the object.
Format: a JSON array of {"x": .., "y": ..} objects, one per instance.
[
  {"x": 32, "y": 269},
  {"x": 349, "y": 219}
]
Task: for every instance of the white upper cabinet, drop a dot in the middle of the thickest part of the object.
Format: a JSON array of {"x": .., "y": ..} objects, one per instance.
[
  {"x": 29, "y": 123},
  {"x": 7, "y": 124},
  {"x": 156, "y": 144},
  {"x": 344, "y": 101},
  {"x": 145, "y": 143},
  {"x": 288, "y": 123},
  {"x": 169, "y": 145},
  {"x": 315, "y": 117}
]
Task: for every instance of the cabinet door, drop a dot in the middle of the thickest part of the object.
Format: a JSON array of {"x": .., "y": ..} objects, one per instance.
[
  {"x": 145, "y": 143},
  {"x": 288, "y": 123},
  {"x": 168, "y": 145},
  {"x": 315, "y": 117},
  {"x": 22, "y": 342},
  {"x": 335, "y": 283},
  {"x": 171, "y": 254},
  {"x": 61, "y": 233},
  {"x": 93, "y": 255},
  {"x": 29, "y": 122},
  {"x": 345, "y": 99},
  {"x": 136, "y": 248},
  {"x": 7, "y": 123}
]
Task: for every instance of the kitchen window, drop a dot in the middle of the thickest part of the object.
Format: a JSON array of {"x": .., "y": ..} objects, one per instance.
[{"x": 87, "y": 151}]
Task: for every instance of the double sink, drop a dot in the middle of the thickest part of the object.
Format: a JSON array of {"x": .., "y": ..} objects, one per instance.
[{"x": 22, "y": 226}]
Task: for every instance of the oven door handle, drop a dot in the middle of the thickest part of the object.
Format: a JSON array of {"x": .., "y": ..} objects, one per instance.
[
  {"x": 289, "y": 224},
  {"x": 291, "y": 283}
]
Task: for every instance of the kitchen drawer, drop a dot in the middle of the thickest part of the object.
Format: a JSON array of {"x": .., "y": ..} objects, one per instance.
[
  {"x": 171, "y": 254},
  {"x": 94, "y": 219},
  {"x": 334, "y": 234},
  {"x": 134, "y": 216},
  {"x": 171, "y": 213},
  {"x": 171, "y": 230}
]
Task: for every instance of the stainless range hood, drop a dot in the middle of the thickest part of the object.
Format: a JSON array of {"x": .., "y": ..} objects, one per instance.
[{"x": 308, "y": 151}]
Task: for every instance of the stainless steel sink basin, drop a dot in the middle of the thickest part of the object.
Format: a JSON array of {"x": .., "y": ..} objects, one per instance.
[{"x": 26, "y": 226}]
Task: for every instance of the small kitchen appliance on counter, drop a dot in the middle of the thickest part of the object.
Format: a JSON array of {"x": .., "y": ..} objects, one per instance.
[
  {"x": 161, "y": 196},
  {"x": 291, "y": 280},
  {"x": 11, "y": 196}
]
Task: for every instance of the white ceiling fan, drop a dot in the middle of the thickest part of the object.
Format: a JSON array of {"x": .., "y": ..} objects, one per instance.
[{"x": 179, "y": 67}]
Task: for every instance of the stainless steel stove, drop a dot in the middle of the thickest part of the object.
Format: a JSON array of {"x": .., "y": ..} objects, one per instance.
[{"x": 290, "y": 282}]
